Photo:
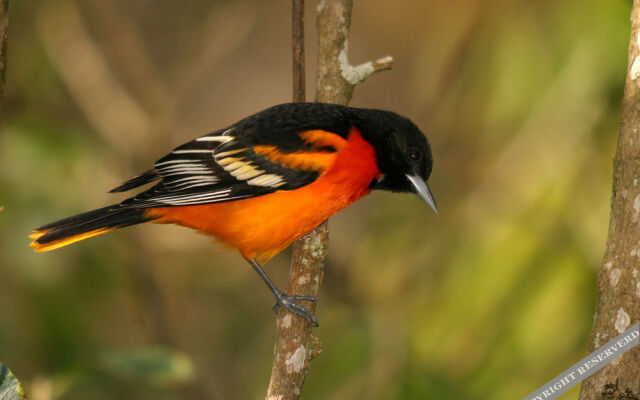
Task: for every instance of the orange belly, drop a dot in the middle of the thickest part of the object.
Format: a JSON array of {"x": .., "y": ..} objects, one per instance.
[{"x": 262, "y": 226}]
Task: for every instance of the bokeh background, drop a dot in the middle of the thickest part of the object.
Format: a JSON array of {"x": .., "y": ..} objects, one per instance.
[{"x": 489, "y": 300}]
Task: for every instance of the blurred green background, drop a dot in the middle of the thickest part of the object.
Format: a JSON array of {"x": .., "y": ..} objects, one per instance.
[{"x": 489, "y": 300}]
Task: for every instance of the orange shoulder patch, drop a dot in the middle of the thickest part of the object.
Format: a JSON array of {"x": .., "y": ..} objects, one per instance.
[
  {"x": 302, "y": 160},
  {"x": 309, "y": 160},
  {"x": 322, "y": 138}
]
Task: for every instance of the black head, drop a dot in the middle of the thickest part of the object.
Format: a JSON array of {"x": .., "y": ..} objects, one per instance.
[{"x": 402, "y": 150}]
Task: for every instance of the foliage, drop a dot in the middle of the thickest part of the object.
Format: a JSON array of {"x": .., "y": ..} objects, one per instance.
[{"x": 10, "y": 386}]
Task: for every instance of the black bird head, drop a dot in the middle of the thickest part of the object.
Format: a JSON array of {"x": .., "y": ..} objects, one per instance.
[{"x": 403, "y": 153}]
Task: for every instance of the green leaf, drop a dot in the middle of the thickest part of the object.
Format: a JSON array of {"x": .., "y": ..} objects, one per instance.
[{"x": 10, "y": 386}]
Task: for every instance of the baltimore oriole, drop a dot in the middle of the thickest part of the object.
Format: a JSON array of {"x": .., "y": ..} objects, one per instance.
[{"x": 266, "y": 181}]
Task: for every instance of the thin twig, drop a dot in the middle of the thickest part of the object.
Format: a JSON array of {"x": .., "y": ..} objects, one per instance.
[
  {"x": 336, "y": 78},
  {"x": 297, "y": 31},
  {"x": 4, "y": 33}
]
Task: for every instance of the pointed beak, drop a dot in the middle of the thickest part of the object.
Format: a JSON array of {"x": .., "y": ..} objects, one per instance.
[{"x": 423, "y": 191}]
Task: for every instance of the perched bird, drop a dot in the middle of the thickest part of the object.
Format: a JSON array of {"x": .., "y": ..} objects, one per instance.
[{"x": 266, "y": 181}]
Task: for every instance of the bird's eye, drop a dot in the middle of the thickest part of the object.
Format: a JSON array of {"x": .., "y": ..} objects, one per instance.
[{"x": 414, "y": 154}]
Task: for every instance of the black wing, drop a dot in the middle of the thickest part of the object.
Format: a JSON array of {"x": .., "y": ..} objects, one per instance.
[
  {"x": 218, "y": 167},
  {"x": 225, "y": 165}
]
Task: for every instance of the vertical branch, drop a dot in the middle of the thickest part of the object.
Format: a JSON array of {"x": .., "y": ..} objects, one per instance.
[
  {"x": 336, "y": 78},
  {"x": 4, "y": 33},
  {"x": 619, "y": 280},
  {"x": 297, "y": 30},
  {"x": 292, "y": 351}
]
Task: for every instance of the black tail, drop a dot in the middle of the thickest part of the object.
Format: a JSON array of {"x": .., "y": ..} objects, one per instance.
[{"x": 83, "y": 226}]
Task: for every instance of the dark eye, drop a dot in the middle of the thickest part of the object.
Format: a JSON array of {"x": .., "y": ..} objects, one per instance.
[{"x": 414, "y": 154}]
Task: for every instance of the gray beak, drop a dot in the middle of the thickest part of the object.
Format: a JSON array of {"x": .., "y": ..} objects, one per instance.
[{"x": 423, "y": 191}]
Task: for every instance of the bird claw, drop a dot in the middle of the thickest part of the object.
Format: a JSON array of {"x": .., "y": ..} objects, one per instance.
[{"x": 289, "y": 304}]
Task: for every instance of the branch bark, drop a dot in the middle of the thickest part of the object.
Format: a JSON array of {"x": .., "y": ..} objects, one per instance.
[
  {"x": 297, "y": 37},
  {"x": 4, "y": 33},
  {"x": 336, "y": 79},
  {"x": 619, "y": 280}
]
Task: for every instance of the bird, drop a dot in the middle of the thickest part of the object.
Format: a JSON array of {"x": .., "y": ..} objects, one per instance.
[{"x": 266, "y": 181}]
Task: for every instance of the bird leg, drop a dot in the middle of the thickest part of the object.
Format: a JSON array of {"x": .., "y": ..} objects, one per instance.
[{"x": 284, "y": 300}]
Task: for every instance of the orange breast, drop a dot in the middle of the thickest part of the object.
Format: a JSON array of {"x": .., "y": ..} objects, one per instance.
[{"x": 263, "y": 226}]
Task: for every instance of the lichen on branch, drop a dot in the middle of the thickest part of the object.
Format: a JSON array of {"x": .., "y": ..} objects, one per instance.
[{"x": 354, "y": 75}]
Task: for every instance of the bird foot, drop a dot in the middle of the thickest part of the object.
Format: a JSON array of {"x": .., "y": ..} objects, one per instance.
[{"x": 289, "y": 303}]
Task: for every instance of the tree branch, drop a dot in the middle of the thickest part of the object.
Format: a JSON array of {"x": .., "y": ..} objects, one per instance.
[
  {"x": 335, "y": 80},
  {"x": 297, "y": 30},
  {"x": 4, "y": 33},
  {"x": 619, "y": 280}
]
